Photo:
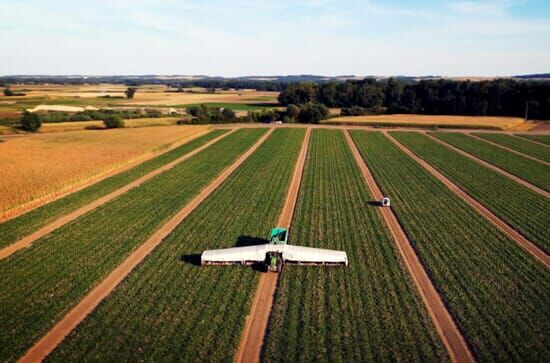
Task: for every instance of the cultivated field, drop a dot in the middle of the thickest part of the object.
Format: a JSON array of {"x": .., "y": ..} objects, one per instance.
[
  {"x": 39, "y": 167},
  {"x": 481, "y": 122},
  {"x": 112, "y": 271}
]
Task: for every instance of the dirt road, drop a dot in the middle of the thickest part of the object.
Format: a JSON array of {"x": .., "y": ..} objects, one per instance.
[
  {"x": 510, "y": 150},
  {"x": 445, "y": 325},
  {"x": 499, "y": 223},
  {"x": 27, "y": 241},
  {"x": 255, "y": 328},
  {"x": 64, "y": 327},
  {"x": 492, "y": 167}
]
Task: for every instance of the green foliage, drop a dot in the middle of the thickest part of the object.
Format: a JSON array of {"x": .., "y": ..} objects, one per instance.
[
  {"x": 354, "y": 111},
  {"x": 530, "y": 170},
  {"x": 298, "y": 93},
  {"x": 130, "y": 92},
  {"x": 204, "y": 115},
  {"x": 30, "y": 121},
  {"x": 174, "y": 310},
  {"x": 41, "y": 283},
  {"x": 292, "y": 111},
  {"x": 518, "y": 144},
  {"x": 113, "y": 122},
  {"x": 16, "y": 228},
  {"x": 312, "y": 113},
  {"x": 8, "y": 92},
  {"x": 101, "y": 114},
  {"x": 497, "y": 293},
  {"x": 526, "y": 211},
  {"x": 367, "y": 311}
]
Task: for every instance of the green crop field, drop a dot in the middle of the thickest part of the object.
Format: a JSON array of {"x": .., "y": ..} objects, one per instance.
[
  {"x": 16, "y": 228},
  {"x": 168, "y": 309},
  {"x": 526, "y": 211},
  {"x": 498, "y": 294},
  {"x": 530, "y": 170},
  {"x": 368, "y": 311},
  {"x": 544, "y": 139},
  {"x": 528, "y": 148},
  {"x": 39, "y": 285}
]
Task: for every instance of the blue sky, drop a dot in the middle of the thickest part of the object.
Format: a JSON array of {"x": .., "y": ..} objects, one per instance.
[{"x": 242, "y": 37}]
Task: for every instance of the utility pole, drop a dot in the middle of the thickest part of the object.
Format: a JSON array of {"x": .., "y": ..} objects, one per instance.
[{"x": 526, "y": 110}]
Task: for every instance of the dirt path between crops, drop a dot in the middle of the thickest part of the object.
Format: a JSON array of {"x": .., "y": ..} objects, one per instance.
[
  {"x": 514, "y": 235},
  {"x": 491, "y": 166},
  {"x": 61, "y": 221},
  {"x": 255, "y": 329},
  {"x": 444, "y": 324},
  {"x": 530, "y": 140},
  {"x": 508, "y": 149},
  {"x": 64, "y": 327}
]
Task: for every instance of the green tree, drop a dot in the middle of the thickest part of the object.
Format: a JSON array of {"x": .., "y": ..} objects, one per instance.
[
  {"x": 113, "y": 122},
  {"x": 130, "y": 92},
  {"x": 312, "y": 113},
  {"x": 292, "y": 111},
  {"x": 31, "y": 121},
  {"x": 228, "y": 114},
  {"x": 8, "y": 92}
]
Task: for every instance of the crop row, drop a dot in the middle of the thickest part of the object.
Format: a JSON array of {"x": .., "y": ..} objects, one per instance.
[
  {"x": 515, "y": 143},
  {"x": 169, "y": 309},
  {"x": 544, "y": 139},
  {"x": 525, "y": 210},
  {"x": 368, "y": 311},
  {"x": 497, "y": 293},
  {"x": 39, "y": 285},
  {"x": 530, "y": 170},
  {"x": 18, "y": 227}
]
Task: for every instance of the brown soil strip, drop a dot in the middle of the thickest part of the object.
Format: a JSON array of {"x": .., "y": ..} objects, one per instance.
[
  {"x": 444, "y": 324},
  {"x": 28, "y": 240},
  {"x": 499, "y": 223},
  {"x": 27, "y": 207},
  {"x": 492, "y": 167},
  {"x": 508, "y": 149},
  {"x": 255, "y": 328},
  {"x": 64, "y": 327}
]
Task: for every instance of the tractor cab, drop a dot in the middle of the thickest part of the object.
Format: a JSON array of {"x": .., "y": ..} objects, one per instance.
[{"x": 278, "y": 236}]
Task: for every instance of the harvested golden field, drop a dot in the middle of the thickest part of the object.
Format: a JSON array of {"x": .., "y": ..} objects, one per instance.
[
  {"x": 502, "y": 123},
  {"x": 38, "y": 168}
]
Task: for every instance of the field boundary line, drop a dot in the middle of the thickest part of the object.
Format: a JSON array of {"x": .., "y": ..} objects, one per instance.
[
  {"x": 530, "y": 140},
  {"x": 446, "y": 327},
  {"x": 49, "y": 198},
  {"x": 504, "y": 227},
  {"x": 491, "y": 166},
  {"x": 61, "y": 221},
  {"x": 253, "y": 336},
  {"x": 71, "y": 320},
  {"x": 509, "y": 149}
]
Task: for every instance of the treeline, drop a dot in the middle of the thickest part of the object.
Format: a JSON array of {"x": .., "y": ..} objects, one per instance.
[
  {"x": 91, "y": 115},
  {"x": 502, "y": 97}
]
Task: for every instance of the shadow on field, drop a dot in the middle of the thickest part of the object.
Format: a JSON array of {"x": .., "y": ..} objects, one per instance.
[
  {"x": 243, "y": 241},
  {"x": 374, "y": 203},
  {"x": 193, "y": 259}
]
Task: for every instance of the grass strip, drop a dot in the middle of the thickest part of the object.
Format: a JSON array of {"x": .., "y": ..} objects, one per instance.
[{"x": 544, "y": 139}]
